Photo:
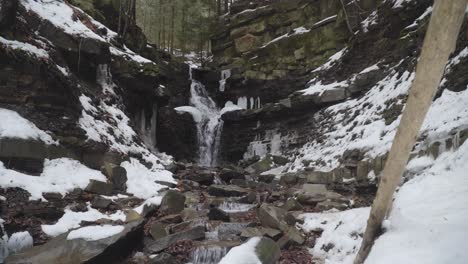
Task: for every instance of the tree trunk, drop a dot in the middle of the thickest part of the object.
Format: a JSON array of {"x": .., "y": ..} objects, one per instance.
[
  {"x": 172, "y": 27},
  {"x": 440, "y": 41}
]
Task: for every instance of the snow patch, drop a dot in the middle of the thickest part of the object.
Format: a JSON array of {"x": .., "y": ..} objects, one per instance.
[
  {"x": 13, "y": 125},
  {"x": 244, "y": 253},
  {"x": 141, "y": 180},
  {"x": 93, "y": 233},
  {"x": 28, "y": 48},
  {"x": 59, "y": 176},
  {"x": 71, "y": 220}
]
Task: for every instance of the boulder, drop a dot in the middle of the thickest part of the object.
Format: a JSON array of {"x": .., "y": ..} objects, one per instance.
[
  {"x": 98, "y": 187},
  {"x": 289, "y": 179},
  {"x": 117, "y": 175},
  {"x": 158, "y": 230},
  {"x": 189, "y": 214},
  {"x": 291, "y": 237},
  {"x": 227, "y": 190},
  {"x": 292, "y": 205},
  {"x": 268, "y": 178},
  {"x": 203, "y": 177},
  {"x": 218, "y": 214},
  {"x": 165, "y": 183},
  {"x": 173, "y": 202},
  {"x": 268, "y": 252},
  {"x": 100, "y": 203},
  {"x": 75, "y": 251},
  {"x": 229, "y": 174},
  {"x": 260, "y": 232},
  {"x": 260, "y": 166},
  {"x": 271, "y": 216},
  {"x": 159, "y": 245}
]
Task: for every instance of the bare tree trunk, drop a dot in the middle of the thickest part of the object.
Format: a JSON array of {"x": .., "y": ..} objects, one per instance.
[
  {"x": 172, "y": 27},
  {"x": 440, "y": 41}
]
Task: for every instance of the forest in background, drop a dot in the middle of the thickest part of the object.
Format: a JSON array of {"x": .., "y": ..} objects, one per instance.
[{"x": 180, "y": 26}]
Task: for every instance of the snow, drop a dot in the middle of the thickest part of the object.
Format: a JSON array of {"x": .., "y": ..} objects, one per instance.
[
  {"x": 129, "y": 54},
  {"x": 295, "y": 32},
  {"x": 28, "y": 48},
  {"x": 400, "y": 3},
  {"x": 369, "y": 21},
  {"x": 429, "y": 220},
  {"x": 332, "y": 60},
  {"x": 140, "y": 180},
  {"x": 420, "y": 163},
  {"x": 93, "y": 233},
  {"x": 62, "y": 16},
  {"x": 71, "y": 220},
  {"x": 15, "y": 126},
  {"x": 59, "y": 176},
  {"x": 19, "y": 241},
  {"x": 370, "y": 68},
  {"x": 319, "y": 88},
  {"x": 341, "y": 235},
  {"x": 230, "y": 107},
  {"x": 196, "y": 114},
  {"x": 244, "y": 253},
  {"x": 371, "y": 134},
  {"x": 424, "y": 15}
]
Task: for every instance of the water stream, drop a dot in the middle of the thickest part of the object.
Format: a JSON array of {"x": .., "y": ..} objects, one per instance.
[{"x": 207, "y": 116}]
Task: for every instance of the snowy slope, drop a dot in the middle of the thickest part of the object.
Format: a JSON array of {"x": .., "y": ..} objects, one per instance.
[{"x": 428, "y": 223}]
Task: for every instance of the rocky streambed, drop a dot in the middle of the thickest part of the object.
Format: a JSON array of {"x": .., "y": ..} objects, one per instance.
[{"x": 199, "y": 220}]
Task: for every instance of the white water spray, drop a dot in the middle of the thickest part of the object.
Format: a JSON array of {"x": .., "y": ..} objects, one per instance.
[{"x": 209, "y": 123}]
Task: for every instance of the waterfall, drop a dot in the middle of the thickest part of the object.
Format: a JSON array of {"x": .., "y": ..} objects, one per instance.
[
  {"x": 208, "y": 255},
  {"x": 209, "y": 123},
  {"x": 147, "y": 127}
]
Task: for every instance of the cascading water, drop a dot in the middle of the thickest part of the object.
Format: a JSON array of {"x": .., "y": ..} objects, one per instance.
[
  {"x": 208, "y": 255},
  {"x": 209, "y": 123}
]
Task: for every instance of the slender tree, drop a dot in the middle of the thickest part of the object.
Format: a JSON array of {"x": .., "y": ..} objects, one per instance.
[{"x": 440, "y": 41}]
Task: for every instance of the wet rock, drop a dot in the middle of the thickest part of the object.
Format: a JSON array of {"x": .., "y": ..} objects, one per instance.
[
  {"x": 250, "y": 198},
  {"x": 291, "y": 237},
  {"x": 189, "y": 214},
  {"x": 289, "y": 179},
  {"x": 100, "y": 203},
  {"x": 268, "y": 178},
  {"x": 268, "y": 252},
  {"x": 165, "y": 183},
  {"x": 164, "y": 258},
  {"x": 260, "y": 166},
  {"x": 173, "y": 202},
  {"x": 218, "y": 214},
  {"x": 227, "y": 175},
  {"x": 158, "y": 230},
  {"x": 159, "y": 245},
  {"x": 203, "y": 177},
  {"x": 171, "y": 219},
  {"x": 227, "y": 190},
  {"x": 61, "y": 250},
  {"x": 117, "y": 175},
  {"x": 292, "y": 205},
  {"x": 98, "y": 187},
  {"x": 260, "y": 231},
  {"x": 271, "y": 216}
]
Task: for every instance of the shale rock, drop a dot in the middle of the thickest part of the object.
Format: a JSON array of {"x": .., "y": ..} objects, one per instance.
[
  {"x": 163, "y": 243},
  {"x": 173, "y": 202},
  {"x": 76, "y": 251},
  {"x": 117, "y": 175},
  {"x": 227, "y": 190},
  {"x": 98, "y": 187}
]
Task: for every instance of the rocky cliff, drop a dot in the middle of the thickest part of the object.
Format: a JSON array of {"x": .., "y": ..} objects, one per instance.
[{"x": 317, "y": 93}]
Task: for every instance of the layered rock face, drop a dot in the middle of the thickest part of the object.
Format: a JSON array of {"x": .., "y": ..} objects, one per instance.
[
  {"x": 323, "y": 91},
  {"x": 55, "y": 67}
]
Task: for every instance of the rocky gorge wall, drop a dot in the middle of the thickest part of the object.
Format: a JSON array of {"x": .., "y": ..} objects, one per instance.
[{"x": 324, "y": 91}]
